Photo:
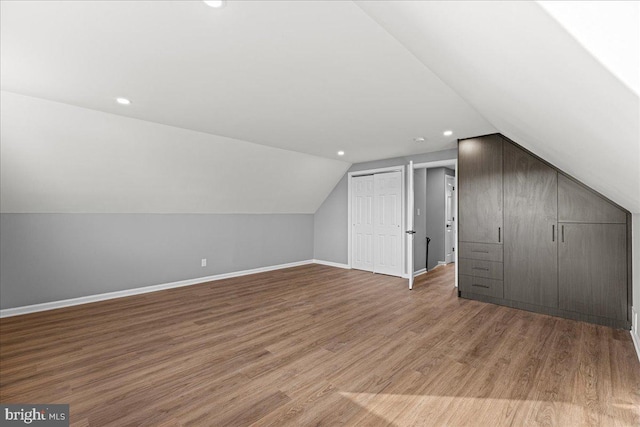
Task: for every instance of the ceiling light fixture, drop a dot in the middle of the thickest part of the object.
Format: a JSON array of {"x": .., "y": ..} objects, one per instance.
[
  {"x": 215, "y": 3},
  {"x": 123, "y": 101},
  {"x": 447, "y": 133},
  {"x": 419, "y": 139},
  {"x": 340, "y": 153}
]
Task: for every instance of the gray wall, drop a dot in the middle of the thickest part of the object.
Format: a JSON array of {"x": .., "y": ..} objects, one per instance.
[
  {"x": 330, "y": 226},
  {"x": 420, "y": 221},
  {"x": 50, "y": 257},
  {"x": 330, "y": 221},
  {"x": 435, "y": 214}
]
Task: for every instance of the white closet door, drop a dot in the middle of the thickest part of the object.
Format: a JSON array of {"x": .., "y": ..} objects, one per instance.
[
  {"x": 362, "y": 223},
  {"x": 387, "y": 257}
]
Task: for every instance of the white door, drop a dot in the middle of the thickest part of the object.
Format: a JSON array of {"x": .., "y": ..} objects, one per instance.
[
  {"x": 387, "y": 258},
  {"x": 449, "y": 217},
  {"x": 362, "y": 223},
  {"x": 410, "y": 230}
]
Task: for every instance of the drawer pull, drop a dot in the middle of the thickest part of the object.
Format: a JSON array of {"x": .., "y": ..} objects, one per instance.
[
  {"x": 480, "y": 286},
  {"x": 480, "y": 252},
  {"x": 480, "y": 268}
]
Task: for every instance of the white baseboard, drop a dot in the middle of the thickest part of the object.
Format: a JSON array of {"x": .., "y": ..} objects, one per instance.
[
  {"x": 331, "y": 264},
  {"x": 420, "y": 272},
  {"x": 8, "y": 312},
  {"x": 635, "y": 330},
  {"x": 415, "y": 273}
]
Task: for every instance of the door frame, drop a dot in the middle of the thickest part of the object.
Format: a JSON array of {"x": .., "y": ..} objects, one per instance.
[
  {"x": 455, "y": 213},
  {"x": 399, "y": 168},
  {"x": 437, "y": 164}
]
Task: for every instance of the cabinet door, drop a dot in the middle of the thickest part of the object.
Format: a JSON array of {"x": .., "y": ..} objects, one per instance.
[
  {"x": 480, "y": 184},
  {"x": 530, "y": 220},
  {"x": 577, "y": 203},
  {"x": 592, "y": 269}
]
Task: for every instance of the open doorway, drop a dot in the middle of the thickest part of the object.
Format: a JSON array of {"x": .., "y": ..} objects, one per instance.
[
  {"x": 449, "y": 218},
  {"x": 434, "y": 216}
]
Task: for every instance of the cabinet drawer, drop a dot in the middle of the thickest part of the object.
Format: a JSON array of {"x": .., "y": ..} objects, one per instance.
[
  {"x": 481, "y": 285},
  {"x": 481, "y": 251},
  {"x": 477, "y": 268}
]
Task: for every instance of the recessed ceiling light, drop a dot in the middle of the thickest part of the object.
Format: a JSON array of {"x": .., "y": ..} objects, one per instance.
[
  {"x": 340, "y": 153},
  {"x": 215, "y": 3},
  {"x": 447, "y": 133},
  {"x": 123, "y": 101},
  {"x": 419, "y": 139}
]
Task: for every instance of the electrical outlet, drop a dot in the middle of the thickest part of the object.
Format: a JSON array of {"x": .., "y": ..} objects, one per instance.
[
  {"x": 203, "y": 263},
  {"x": 418, "y": 211}
]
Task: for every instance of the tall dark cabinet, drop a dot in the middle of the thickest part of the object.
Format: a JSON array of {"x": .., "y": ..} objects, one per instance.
[
  {"x": 533, "y": 238},
  {"x": 480, "y": 225},
  {"x": 530, "y": 229}
]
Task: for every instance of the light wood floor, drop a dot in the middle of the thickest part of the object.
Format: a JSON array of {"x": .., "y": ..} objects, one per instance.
[{"x": 315, "y": 345}]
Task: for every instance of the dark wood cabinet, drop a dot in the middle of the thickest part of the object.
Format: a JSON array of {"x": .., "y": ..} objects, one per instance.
[
  {"x": 593, "y": 271},
  {"x": 480, "y": 251},
  {"x": 530, "y": 222},
  {"x": 480, "y": 185},
  {"x": 478, "y": 268},
  {"x": 480, "y": 205},
  {"x": 481, "y": 285},
  {"x": 576, "y": 203},
  {"x": 531, "y": 237}
]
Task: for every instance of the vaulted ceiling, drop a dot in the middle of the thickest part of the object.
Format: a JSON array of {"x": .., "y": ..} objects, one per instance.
[
  {"x": 308, "y": 76},
  {"x": 525, "y": 73},
  {"x": 291, "y": 83}
]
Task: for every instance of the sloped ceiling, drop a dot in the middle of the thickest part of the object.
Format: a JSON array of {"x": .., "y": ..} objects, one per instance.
[
  {"x": 533, "y": 81},
  {"x": 59, "y": 158},
  {"x": 286, "y": 85},
  {"x": 609, "y": 30},
  {"x": 309, "y": 76}
]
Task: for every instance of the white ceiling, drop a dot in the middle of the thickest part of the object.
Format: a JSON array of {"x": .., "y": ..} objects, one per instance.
[
  {"x": 533, "y": 81},
  {"x": 59, "y": 158},
  {"x": 309, "y": 76},
  {"x": 313, "y": 77},
  {"x": 609, "y": 30}
]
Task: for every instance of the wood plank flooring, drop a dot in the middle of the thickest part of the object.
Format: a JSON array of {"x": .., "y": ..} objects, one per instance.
[{"x": 316, "y": 345}]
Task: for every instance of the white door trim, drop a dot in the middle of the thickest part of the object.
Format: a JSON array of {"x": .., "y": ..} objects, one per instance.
[
  {"x": 410, "y": 223},
  {"x": 456, "y": 221},
  {"x": 437, "y": 164},
  {"x": 399, "y": 168}
]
